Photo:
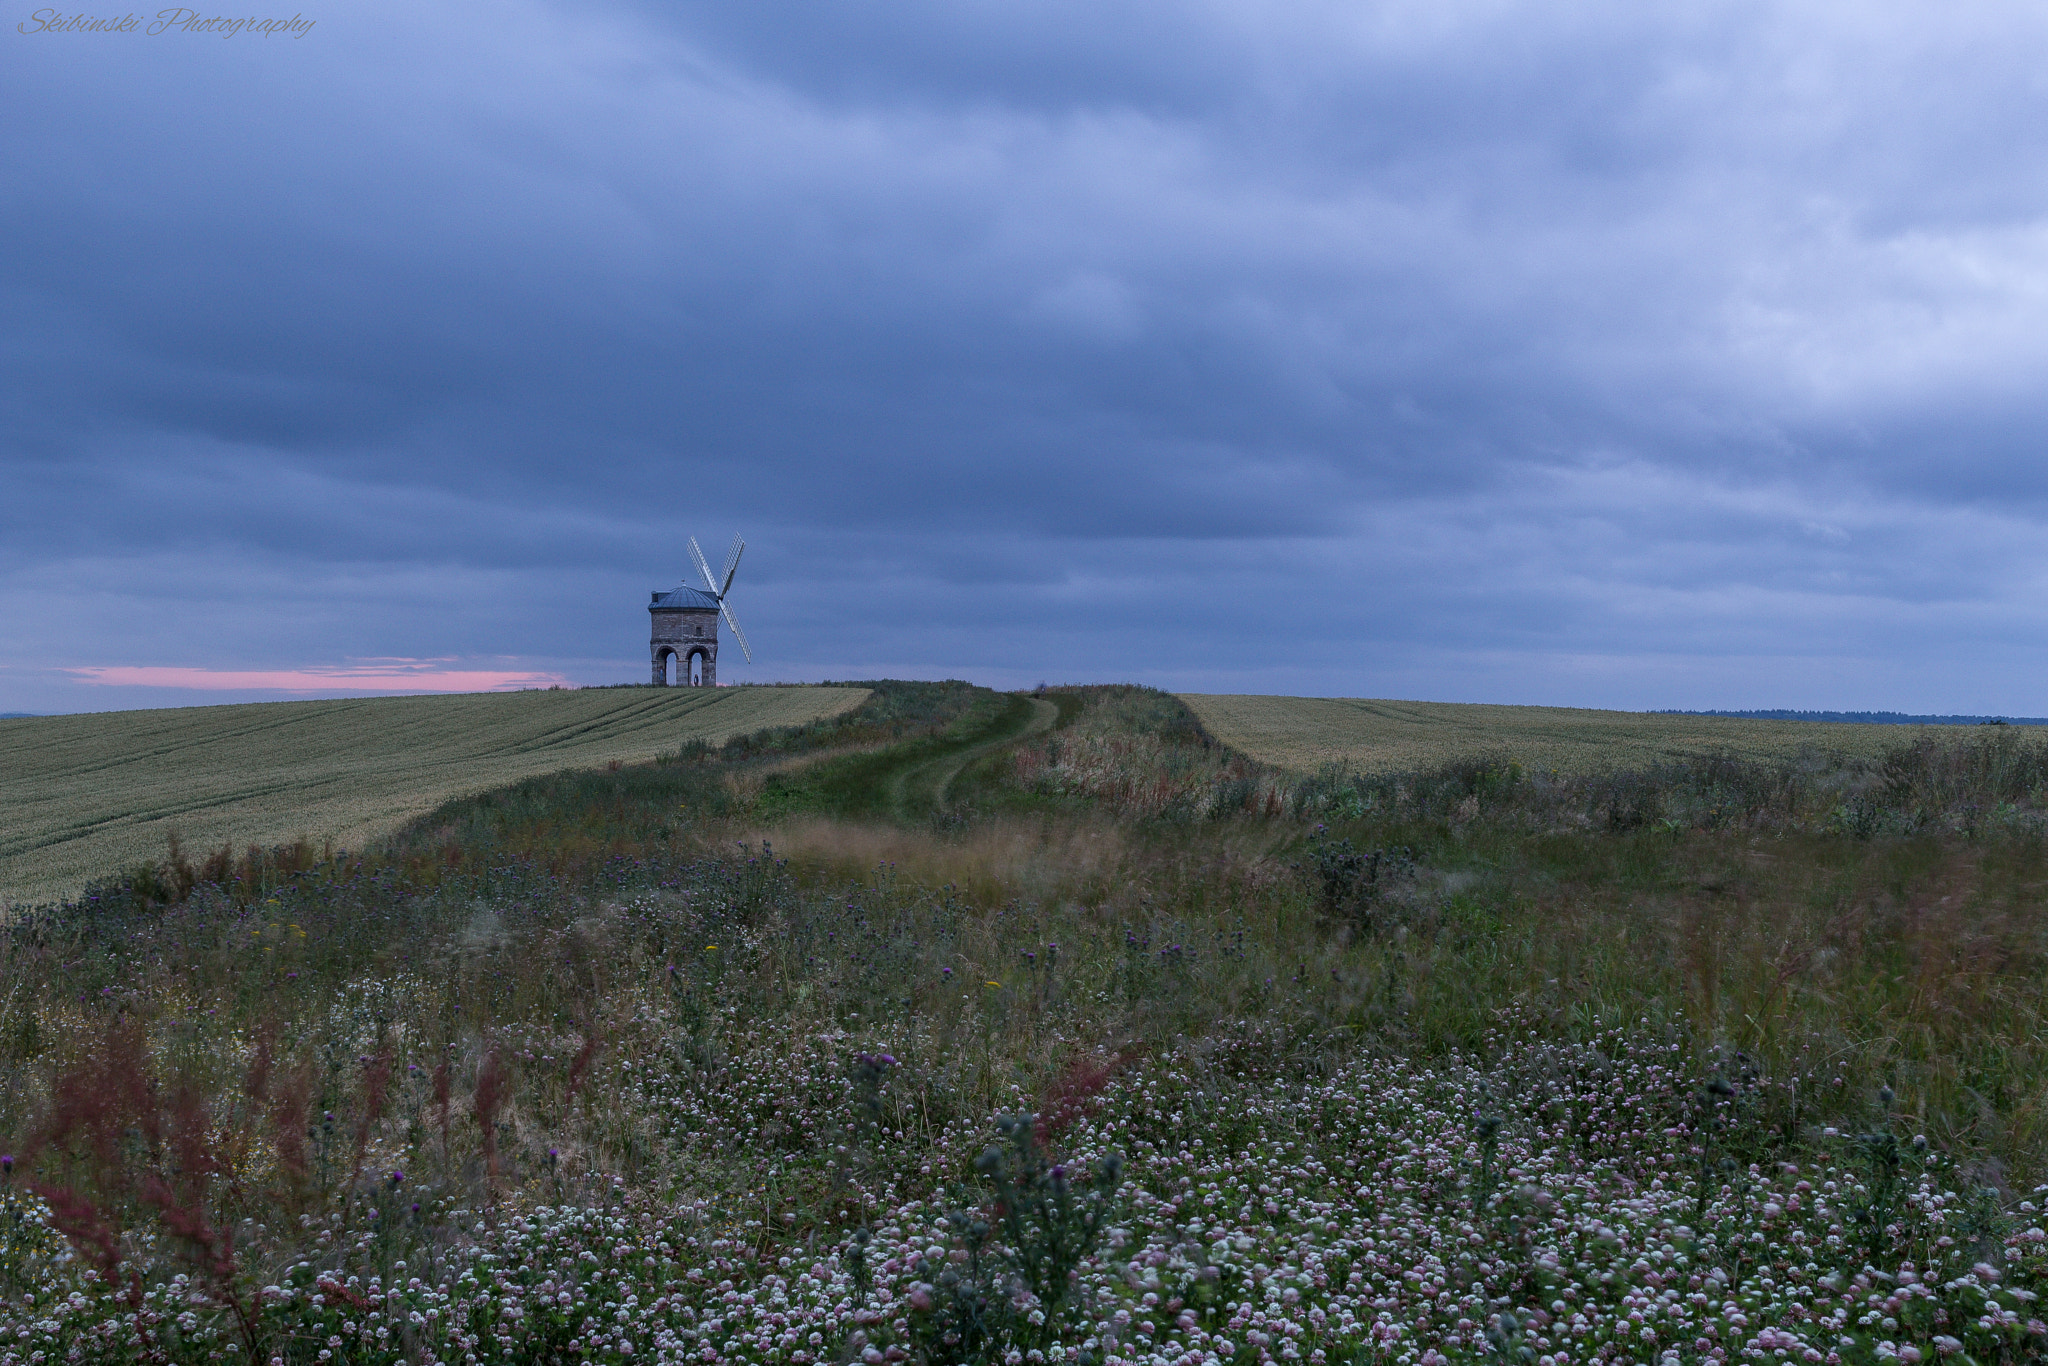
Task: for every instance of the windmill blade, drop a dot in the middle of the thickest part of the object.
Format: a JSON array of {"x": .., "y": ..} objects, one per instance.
[
  {"x": 703, "y": 568},
  {"x": 737, "y": 633},
  {"x": 732, "y": 564}
]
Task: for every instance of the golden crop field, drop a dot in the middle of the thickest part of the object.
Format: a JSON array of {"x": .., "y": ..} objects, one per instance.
[
  {"x": 83, "y": 796},
  {"x": 1373, "y": 736}
]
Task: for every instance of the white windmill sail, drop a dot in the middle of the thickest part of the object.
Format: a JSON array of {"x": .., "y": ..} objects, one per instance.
[{"x": 719, "y": 589}]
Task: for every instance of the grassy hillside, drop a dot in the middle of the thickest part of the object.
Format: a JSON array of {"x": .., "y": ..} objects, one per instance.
[
  {"x": 1373, "y": 736},
  {"x": 81, "y": 796},
  {"x": 970, "y": 1028}
]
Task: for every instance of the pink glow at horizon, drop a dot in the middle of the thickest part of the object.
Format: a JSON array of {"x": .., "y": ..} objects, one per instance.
[{"x": 382, "y": 676}]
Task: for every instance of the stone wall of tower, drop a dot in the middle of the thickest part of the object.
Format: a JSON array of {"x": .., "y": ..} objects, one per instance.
[
  {"x": 680, "y": 625},
  {"x": 684, "y": 634}
]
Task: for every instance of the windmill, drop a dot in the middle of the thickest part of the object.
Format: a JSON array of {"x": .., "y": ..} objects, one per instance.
[
  {"x": 719, "y": 588},
  {"x": 685, "y": 623}
]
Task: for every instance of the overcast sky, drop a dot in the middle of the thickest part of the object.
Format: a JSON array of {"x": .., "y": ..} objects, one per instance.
[{"x": 1597, "y": 355}]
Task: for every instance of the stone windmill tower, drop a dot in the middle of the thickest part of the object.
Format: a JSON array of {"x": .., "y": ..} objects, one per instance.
[{"x": 686, "y": 624}]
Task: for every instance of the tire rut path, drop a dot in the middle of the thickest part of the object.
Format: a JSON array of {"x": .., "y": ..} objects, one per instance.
[{"x": 920, "y": 789}]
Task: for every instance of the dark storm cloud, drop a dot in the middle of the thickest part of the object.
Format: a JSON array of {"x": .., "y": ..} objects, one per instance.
[{"x": 1481, "y": 351}]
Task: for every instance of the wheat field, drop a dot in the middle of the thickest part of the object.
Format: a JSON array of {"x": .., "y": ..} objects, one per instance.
[
  {"x": 1368, "y": 735},
  {"x": 82, "y": 796}
]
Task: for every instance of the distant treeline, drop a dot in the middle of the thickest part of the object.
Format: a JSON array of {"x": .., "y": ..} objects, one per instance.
[{"x": 1867, "y": 718}]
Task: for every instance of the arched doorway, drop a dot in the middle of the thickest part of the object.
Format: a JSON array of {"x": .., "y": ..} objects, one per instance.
[{"x": 691, "y": 671}]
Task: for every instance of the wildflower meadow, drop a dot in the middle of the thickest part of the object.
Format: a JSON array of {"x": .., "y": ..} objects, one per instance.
[{"x": 1130, "y": 1051}]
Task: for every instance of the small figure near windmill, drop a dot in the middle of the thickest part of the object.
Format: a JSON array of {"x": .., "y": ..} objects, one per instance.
[{"x": 686, "y": 624}]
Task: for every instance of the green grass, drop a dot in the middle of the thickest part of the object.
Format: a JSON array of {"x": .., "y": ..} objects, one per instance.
[
  {"x": 910, "y": 780},
  {"x": 921, "y": 788}
]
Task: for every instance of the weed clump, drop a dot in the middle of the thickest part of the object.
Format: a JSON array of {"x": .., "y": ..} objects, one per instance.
[
  {"x": 1353, "y": 885},
  {"x": 1015, "y": 1260}
]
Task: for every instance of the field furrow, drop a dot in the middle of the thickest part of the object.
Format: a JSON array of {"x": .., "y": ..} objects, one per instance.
[{"x": 82, "y": 796}]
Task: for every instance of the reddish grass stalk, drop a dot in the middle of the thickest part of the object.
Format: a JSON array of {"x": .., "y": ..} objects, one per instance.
[
  {"x": 75, "y": 1216},
  {"x": 97, "y": 1102},
  {"x": 376, "y": 1085},
  {"x": 1076, "y": 1094},
  {"x": 376, "y": 1088},
  {"x": 288, "y": 1106},
  {"x": 95, "y": 1106},
  {"x": 493, "y": 1089},
  {"x": 442, "y": 1090},
  {"x": 579, "y": 1066},
  {"x": 219, "y": 868}
]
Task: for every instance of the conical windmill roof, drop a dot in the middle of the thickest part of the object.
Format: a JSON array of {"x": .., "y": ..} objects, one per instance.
[{"x": 683, "y": 599}]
